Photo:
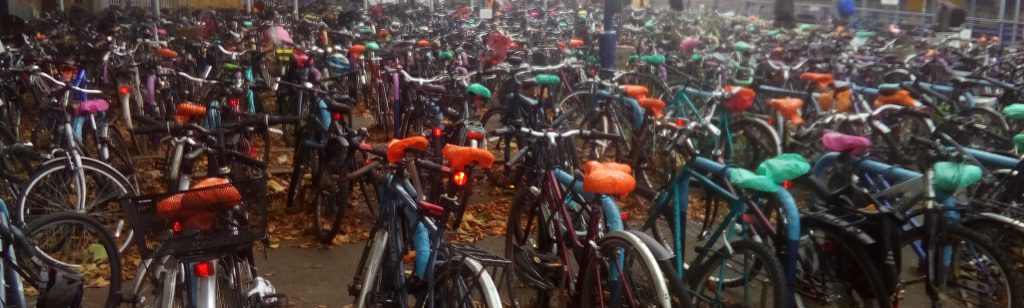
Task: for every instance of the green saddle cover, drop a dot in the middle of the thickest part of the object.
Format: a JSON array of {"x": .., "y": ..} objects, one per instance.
[
  {"x": 1014, "y": 112},
  {"x": 745, "y": 179},
  {"x": 889, "y": 86},
  {"x": 229, "y": 66},
  {"x": 445, "y": 55},
  {"x": 774, "y": 32},
  {"x": 864, "y": 34},
  {"x": 654, "y": 59},
  {"x": 741, "y": 47},
  {"x": 548, "y": 80},
  {"x": 696, "y": 57},
  {"x": 372, "y": 46},
  {"x": 950, "y": 176},
  {"x": 649, "y": 25},
  {"x": 784, "y": 167},
  {"x": 1019, "y": 141},
  {"x": 479, "y": 90}
]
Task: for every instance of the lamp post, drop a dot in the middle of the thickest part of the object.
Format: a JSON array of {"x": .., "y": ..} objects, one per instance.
[{"x": 608, "y": 38}]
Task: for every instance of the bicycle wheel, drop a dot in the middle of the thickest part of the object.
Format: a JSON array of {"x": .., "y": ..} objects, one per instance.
[
  {"x": 531, "y": 246},
  {"x": 753, "y": 141},
  {"x": 980, "y": 273},
  {"x": 305, "y": 167},
  {"x": 623, "y": 272},
  {"x": 989, "y": 130},
  {"x": 896, "y": 147},
  {"x": 330, "y": 197},
  {"x": 54, "y": 188},
  {"x": 747, "y": 261},
  {"x": 463, "y": 282},
  {"x": 503, "y": 148},
  {"x": 79, "y": 241},
  {"x": 833, "y": 270}
]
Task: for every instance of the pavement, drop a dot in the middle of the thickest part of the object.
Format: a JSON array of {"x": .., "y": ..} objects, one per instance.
[{"x": 315, "y": 277}]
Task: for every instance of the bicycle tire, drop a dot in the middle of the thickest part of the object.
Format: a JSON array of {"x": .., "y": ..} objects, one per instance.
[
  {"x": 755, "y": 131},
  {"x": 1014, "y": 287},
  {"x": 619, "y": 242},
  {"x": 858, "y": 265},
  {"x": 701, "y": 275},
  {"x": 331, "y": 192},
  {"x": 120, "y": 188},
  {"x": 61, "y": 252},
  {"x": 372, "y": 265},
  {"x": 455, "y": 280},
  {"x": 306, "y": 161}
]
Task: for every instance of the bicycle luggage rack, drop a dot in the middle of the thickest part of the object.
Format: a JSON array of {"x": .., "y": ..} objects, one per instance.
[{"x": 499, "y": 268}]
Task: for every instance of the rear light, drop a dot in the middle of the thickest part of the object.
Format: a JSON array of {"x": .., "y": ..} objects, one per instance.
[
  {"x": 437, "y": 132},
  {"x": 475, "y": 135},
  {"x": 680, "y": 122},
  {"x": 336, "y": 116},
  {"x": 124, "y": 90},
  {"x": 233, "y": 102},
  {"x": 787, "y": 184},
  {"x": 624, "y": 216},
  {"x": 460, "y": 178},
  {"x": 252, "y": 152},
  {"x": 203, "y": 269},
  {"x": 176, "y": 227}
]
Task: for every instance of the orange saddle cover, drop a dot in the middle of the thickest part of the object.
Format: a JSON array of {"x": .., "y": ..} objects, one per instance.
[
  {"x": 608, "y": 178},
  {"x": 459, "y": 157},
  {"x": 656, "y": 106},
  {"x": 789, "y": 108},
  {"x": 396, "y": 149},
  {"x": 901, "y": 97},
  {"x": 635, "y": 91},
  {"x": 823, "y": 80}
]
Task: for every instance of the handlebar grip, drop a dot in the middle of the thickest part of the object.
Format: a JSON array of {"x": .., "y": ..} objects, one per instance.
[
  {"x": 432, "y": 166},
  {"x": 275, "y": 120},
  {"x": 501, "y": 131},
  {"x": 587, "y": 134}
]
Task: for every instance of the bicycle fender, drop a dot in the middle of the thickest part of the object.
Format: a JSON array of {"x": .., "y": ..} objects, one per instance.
[
  {"x": 827, "y": 219},
  {"x": 660, "y": 252},
  {"x": 111, "y": 170},
  {"x": 981, "y": 218}
]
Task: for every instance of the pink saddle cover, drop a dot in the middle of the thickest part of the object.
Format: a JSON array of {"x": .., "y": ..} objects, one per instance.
[
  {"x": 279, "y": 36},
  {"x": 92, "y": 106},
  {"x": 854, "y": 145}
]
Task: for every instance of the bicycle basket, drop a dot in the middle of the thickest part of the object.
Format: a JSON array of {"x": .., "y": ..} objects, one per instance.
[{"x": 201, "y": 220}]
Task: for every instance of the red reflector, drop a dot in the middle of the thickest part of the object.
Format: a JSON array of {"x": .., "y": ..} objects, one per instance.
[
  {"x": 680, "y": 122},
  {"x": 203, "y": 269},
  {"x": 787, "y": 184},
  {"x": 437, "y": 132},
  {"x": 233, "y": 102},
  {"x": 624, "y": 215},
  {"x": 124, "y": 90},
  {"x": 771, "y": 121},
  {"x": 252, "y": 152},
  {"x": 460, "y": 178},
  {"x": 176, "y": 227},
  {"x": 336, "y": 116},
  {"x": 475, "y": 135}
]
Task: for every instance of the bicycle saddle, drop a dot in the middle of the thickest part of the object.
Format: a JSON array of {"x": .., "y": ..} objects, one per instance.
[
  {"x": 950, "y": 176},
  {"x": 1014, "y": 112},
  {"x": 607, "y": 178},
  {"x": 823, "y": 80},
  {"x": 742, "y": 98},
  {"x": 900, "y": 97},
  {"x": 575, "y": 43},
  {"x": 838, "y": 100},
  {"x": 656, "y": 106},
  {"x": 357, "y": 50},
  {"x": 199, "y": 206},
  {"x": 166, "y": 53},
  {"x": 396, "y": 149},
  {"x": 853, "y": 145},
  {"x": 434, "y": 88},
  {"x": 459, "y": 157},
  {"x": 92, "y": 106},
  {"x": 789, "y": 108},
  {"x": 635, "y": 91}
]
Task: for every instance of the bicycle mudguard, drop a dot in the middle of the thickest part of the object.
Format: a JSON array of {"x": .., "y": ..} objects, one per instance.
[
  {"x": 660, "y": 252},
  {"x": 784, "y": 167},
  {"x": 950, "y": 176}
]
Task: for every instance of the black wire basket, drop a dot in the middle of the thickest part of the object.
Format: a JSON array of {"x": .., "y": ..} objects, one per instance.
[{"x": 216, "y": 218}]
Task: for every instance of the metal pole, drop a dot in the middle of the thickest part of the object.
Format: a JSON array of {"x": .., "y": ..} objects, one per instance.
[
  {"x": 607, "y": 40},
  {"x": 295, "y": 7},
  {"x": 155, "y": 4},
  {"x": 1016, "y": 21},
  {"x": 61, "y": 5},
  {"x": 248, "y": 6},
  {"x": 1001, "y": 17}
]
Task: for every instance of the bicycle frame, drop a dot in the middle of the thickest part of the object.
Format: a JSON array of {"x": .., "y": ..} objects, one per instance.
[{"x": 696, "y": 169}]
